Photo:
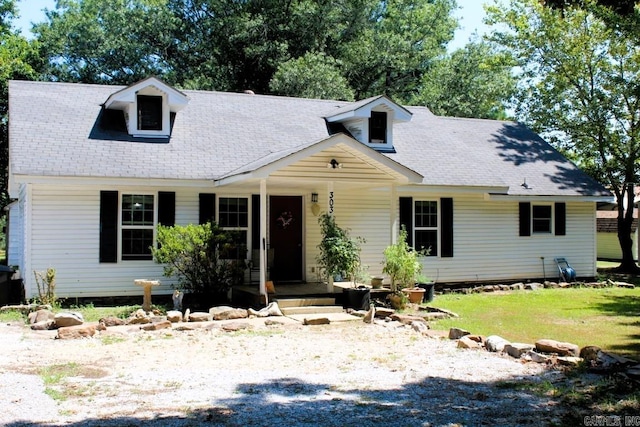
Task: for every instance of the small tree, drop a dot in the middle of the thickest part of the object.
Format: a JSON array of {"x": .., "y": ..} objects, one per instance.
[
  {"x": 339, "y": 252},
  {"x": 401, "y": 262},
  {"x": 207, "y": 260}
]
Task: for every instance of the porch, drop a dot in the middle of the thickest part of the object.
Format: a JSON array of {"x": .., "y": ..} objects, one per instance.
[{"x": 249, "y": 295}]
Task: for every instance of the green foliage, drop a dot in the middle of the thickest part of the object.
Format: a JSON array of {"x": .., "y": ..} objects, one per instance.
[
  {"x": 579, "y": 87},
  {"x": 339, "y": 252},
  {"x": 207, "y": 260},
  {"x": 474, "y": 81},
  {"x": 401, "y": 262},
  {"x": 114, "y": 42},
  {"x": 313, "y": 75},
  {"x": 46, "y": 284}
]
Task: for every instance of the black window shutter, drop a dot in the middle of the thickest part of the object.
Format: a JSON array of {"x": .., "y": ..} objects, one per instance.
[
  {"x": 207, "y": 208},
  {"x": 561, "y": 219},
  {"x": 446, "y": 235},
  {"x": 406, "y": 217},
  {"x": 108, "y": 226},
  {"x": 525, "y": 219},
  {"x": 255, "y": 221},
  {"x": 167, "y": 208}
]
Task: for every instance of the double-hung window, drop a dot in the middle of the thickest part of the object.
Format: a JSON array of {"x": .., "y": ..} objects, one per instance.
[
  {"x": 426, "y": 226},
  {"x": 137, "y": 226},
  {"x": 541, "y": 219},
  {"x": 233, "y": 214}
]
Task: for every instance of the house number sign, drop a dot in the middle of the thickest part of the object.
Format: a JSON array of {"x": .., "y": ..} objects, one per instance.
[{"x": 331, "y": 202}]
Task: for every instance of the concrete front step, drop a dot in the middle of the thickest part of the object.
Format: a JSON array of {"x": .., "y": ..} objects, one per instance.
[
  {"x": 311, "y": 309},
  {"x": 305, "y": 302}
]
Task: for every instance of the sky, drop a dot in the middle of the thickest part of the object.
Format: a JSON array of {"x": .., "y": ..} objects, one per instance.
[{"x": 470, "y": 12}]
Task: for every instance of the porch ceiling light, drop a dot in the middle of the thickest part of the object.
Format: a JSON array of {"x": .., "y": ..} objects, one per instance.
[{"x": 334, "y": 164}]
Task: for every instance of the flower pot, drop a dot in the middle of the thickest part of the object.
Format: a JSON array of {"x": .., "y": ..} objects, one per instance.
[
  {"x": 415, "y": 294},
  {"x": 428, "y": 290},
  {"x": 356, "y": 298},
  {"x": 376, "y": 282}
]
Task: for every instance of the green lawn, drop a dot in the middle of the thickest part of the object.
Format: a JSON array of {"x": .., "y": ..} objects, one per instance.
[{"x": 608, "y": 318}]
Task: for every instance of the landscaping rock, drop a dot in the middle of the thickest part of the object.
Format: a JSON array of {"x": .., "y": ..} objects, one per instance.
[
  {"x": 467, "y": 343},
  {"x": 68, "y": 319},
  {"x": 536, "y": 357},
  {"x": 370, "y": 314},
  {"x": 517, "y": 349},
  {"x": 495, "y": 343},
  {"x": 45, "y": 325},
  {"x": 457, "y": 333},
  {"x": 174, "y": 316},
  {"x": 316, "y": 321},
  {"x": 477, "y": 338},
  {"x": 156, "y": 326},
  {"x": 272, "y": 322},
  {"x": 40, "y": 316},
  {"x": 229, "y": 313},
  {"x": 419, "y": 326},
  {"x": 590, "y": 353},
  {"x": 557, "y": 347},
  {"x": 79, "y": 331},
  {"x": 383, "y": 312},
  {"x": 532, "y": 286},
  {"x": 270, "y": 310},
  {"x": 406, "y": 319},
  {"x": 199, "y": 317},
  {"x": 111, "y": 321},
  {"x": 570, "y": 360},
  {"x": 235, "y": 326},
  {"x": 138, "y": 317}
]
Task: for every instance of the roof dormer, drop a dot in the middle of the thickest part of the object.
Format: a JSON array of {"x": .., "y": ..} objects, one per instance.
[
  {"x": 370, "y": 121},
  {"x": 148, "y": 107}
]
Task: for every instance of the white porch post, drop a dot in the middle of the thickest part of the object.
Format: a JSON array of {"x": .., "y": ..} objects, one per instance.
[
  {"x": 393, "y": 215},
  {"x": 330, "y": 209},
  {"x": 263, "y": 240}
]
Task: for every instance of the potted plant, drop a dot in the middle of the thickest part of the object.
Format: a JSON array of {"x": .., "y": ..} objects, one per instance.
[
  {"x": 339, "y": 252},
  {"x": 402, "y": 264}
]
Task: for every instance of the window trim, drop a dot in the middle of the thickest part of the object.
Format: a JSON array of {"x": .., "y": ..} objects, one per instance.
[
  {"x": 379, "y": 115},
  {"x": 246, "y": 229},
  {"x": 437, "y": 228},
  {"x": 122, "y": 227},
  {"x": 551, "y": 219},
  {"x": 154, "y": 101},
  {"x": 133, "y": 120}
]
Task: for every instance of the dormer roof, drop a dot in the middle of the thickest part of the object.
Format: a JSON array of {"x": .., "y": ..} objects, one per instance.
[
  {"x": 362, "y": 110},
  {"x": 121, "y": 99}
]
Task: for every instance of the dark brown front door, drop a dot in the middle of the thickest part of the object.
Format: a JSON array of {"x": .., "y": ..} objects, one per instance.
[{"x": 285, "y": 238}]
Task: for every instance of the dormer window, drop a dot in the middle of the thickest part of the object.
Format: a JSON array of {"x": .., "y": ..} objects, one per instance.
[
  {"x": 378, "y": 127},
  {"x": 149, "y": 107},
  {"x": 369, "y": 121},
  {"x": 149, "y": 112}
]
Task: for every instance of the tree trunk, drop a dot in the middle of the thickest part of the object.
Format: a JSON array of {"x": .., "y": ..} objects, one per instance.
[{"x": 625, "y": 222}]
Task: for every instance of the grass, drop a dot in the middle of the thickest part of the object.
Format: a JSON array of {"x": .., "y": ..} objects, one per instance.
[{"x": 608, "y": 317}]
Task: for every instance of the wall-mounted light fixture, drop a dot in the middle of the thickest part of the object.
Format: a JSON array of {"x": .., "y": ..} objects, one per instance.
[
  {"x": 315, "y": 208},
  {"x": 334, "y": 164}
]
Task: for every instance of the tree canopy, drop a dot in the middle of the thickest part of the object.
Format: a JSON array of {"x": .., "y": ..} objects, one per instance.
[{"x": 580, "y": 87}]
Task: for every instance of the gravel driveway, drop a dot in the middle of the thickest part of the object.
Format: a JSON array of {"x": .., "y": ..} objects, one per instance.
[{"x": 343, "y": 374}]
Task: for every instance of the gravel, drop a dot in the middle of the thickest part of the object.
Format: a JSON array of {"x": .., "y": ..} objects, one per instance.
[{"x": 347, "y": 373}]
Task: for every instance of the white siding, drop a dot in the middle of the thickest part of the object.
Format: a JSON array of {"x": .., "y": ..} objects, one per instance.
[
  {"x": 15, "y": 231},
  {"x": 486, "y": 241},
  {"x": 65, "y": 236}
]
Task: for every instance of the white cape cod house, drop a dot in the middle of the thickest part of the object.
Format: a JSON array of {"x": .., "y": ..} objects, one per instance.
[{"x": 94, "y": 169}]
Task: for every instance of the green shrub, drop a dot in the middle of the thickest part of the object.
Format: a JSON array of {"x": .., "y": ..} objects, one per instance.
[
  {"x": 206, "y": 260},
  {"x": 402, "y": 262},
  {"x": 339, "y": 253}
]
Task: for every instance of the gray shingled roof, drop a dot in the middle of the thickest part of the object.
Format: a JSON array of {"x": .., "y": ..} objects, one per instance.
[{"x": 55, "y": 131}]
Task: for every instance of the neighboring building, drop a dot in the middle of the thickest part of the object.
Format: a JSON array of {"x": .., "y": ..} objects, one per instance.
[
  {"x": 607, "y": 227},
  {"x": 94, "y": 169}
]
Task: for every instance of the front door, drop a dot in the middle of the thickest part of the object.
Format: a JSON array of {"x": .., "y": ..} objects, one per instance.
[{"x": 285, "y": 238}]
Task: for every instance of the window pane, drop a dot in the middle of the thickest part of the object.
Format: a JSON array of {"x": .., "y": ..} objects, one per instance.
[
  {"x": 426, "y": 214},
  {"x": 378, "y": 127},
  {"x": 541, "y": 217},
  {"x": 149, "y": 112},
  {"x": 427, "y": 239},
  {"x": 234, "y": 212},
  {"x": 137, "y": 210},
  {"x": 136, "y": 244}
]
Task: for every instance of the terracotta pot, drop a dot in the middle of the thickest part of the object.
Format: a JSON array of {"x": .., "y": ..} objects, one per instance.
[
  {"x": 415, "y": 295},
  {"x": 376, "y": 282}
]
